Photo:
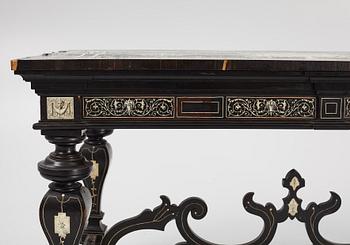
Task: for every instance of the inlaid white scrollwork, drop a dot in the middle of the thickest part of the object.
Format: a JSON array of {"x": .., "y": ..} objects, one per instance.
[
  {"x": 121, "y": 107},
  {"x": 265, "y": 107}
]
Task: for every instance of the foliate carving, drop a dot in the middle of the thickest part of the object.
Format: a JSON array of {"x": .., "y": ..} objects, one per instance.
[
  {"x": 270, "y": 107},
  {"x": 60, "y": 107},
  {"x": 131, "y": 107}
]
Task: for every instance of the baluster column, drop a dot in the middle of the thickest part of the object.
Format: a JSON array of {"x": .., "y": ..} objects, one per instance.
[
  {"x": 99, "y": 152},
  {"x": 65, "y": 208}
]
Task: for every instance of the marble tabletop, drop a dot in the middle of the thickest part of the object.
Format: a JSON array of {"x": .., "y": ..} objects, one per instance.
[
  {"x": 184, "y": 60},
  {"x": 193, "y": 55}
]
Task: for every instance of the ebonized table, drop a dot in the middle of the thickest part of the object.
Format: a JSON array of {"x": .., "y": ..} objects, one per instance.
[{"x": 89, "y": 93}]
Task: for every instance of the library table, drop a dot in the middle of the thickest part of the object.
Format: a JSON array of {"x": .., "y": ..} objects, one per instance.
[{"x": 89, "y": 93}]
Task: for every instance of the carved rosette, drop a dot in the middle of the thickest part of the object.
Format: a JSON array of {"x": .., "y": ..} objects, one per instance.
[
  {"x": 133, "y": 107},
  {"x": 264, "y": 107}
]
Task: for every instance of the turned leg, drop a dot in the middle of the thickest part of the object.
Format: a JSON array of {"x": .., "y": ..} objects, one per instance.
[
  {"x": 65, "y": 208},
  {"x": 99, "y": 152}
]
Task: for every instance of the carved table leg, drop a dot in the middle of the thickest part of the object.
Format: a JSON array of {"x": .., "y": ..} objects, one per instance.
[
  {"x": 65, "y": 208},
  {"x": 99, "y": 152}
]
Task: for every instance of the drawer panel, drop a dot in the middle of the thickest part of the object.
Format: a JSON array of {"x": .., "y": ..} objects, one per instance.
[{"x": 200, "y": 107}]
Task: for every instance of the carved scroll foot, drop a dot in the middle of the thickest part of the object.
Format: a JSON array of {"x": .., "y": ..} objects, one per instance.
[
  {"x": 159, "y": 217},
  {"x": 99, "y": 152},
  {"x": 65, "y": 208}
]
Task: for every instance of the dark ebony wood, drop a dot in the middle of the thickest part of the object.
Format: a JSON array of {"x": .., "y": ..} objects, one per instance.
[
  {"x": 99, "y": 152},
  {"x": 65, "y": 208},
  {"x": 202, "y": 76},
  {"x": 99, "y": 91},
  {"x": 159, "y": 217}
]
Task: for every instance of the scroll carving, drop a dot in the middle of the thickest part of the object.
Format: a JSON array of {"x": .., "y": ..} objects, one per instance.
[
  {"x": 132, "y": 107},
  {"x": 158, "y": 218},
  {"x": 264, "y": 107}
]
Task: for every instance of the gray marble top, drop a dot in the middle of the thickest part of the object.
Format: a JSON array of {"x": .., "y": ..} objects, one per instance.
[{"x": 192, "y": 55}]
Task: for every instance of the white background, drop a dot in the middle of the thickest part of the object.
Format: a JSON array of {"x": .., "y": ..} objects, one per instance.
[{"x": 219, "y": 166}]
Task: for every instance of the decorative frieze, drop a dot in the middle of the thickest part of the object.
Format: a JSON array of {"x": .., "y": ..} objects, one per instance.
[
  {"x": 128, "y": 107},
  {"x": 271, "y": 107}
]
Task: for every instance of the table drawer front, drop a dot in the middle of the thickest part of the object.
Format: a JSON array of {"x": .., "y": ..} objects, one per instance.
[{"x": 200, "y": 107}]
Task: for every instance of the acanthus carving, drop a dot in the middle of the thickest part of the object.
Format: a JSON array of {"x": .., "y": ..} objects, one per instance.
[
  {"x": 264, "y": 107},
  {"x": 166, "y": 212},
  {"x": 131, "y": 107}
]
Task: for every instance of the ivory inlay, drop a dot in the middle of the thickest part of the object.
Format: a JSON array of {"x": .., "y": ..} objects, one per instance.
[
  {"x": 271, "y": 107},
  {"x": 294, "y": 183},
  {"x": 62, "y": 225},
  {"x": 95, "y": 170},
  {"x": 293, "y": 207},
  {"x": 60, "y": 107},
  {"x": 129, "y": 107}
]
